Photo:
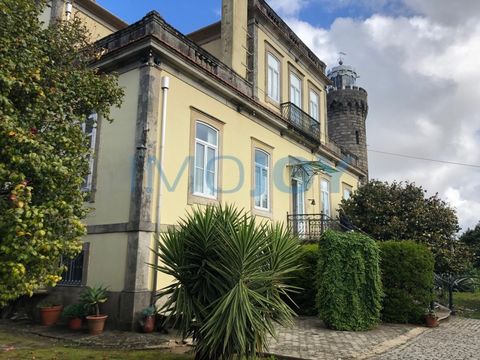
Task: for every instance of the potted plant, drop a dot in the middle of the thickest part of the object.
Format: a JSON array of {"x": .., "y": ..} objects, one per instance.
[
  {"x": 50, "y": 311},
  {"x": 74, "y": 313},
  {"x": 431, "y": 318},
  {"x": 92, "y": 298},
  {"x": 148, "y": 319}
]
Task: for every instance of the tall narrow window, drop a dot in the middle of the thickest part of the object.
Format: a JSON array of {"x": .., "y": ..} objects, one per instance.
[
  {"x": 89, "y": 128},
  {"x": 262, "y": 176},
  {"x": 357, "y": 137},
  {"x": 273, "y": 78},
  {"x": 295, "y": 90},
  {"x": 206, "y": 156},
  {"x": 347, "y": 193},
  {"x": 325, "y": 194},
  {"x": 314, "y": 105}
]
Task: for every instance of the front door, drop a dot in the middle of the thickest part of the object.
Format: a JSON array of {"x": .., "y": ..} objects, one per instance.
[{"x": 298, "y": 206}]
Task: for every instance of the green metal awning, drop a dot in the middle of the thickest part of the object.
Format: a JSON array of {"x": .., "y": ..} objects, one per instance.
[{"x": 307, "y": 169}]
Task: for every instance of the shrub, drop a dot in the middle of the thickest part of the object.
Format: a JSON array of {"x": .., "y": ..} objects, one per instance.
[
  {"x": 229, "y": 278},
  {"x": 305, "y": 280},
  {"x": 349, "y": 284},
  {"x": 407, "y": 276}
]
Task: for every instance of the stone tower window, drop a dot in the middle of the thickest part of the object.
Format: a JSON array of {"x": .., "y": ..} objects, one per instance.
[{"x": 357, "y": 137}]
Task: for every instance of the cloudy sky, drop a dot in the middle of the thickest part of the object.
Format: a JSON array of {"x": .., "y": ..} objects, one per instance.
[{"x": 418, "y": 59}]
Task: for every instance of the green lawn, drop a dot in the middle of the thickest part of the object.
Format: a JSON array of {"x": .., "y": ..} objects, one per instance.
[
  {"x": 467, "y": 304},
  {"x": 16, "y": 346}
]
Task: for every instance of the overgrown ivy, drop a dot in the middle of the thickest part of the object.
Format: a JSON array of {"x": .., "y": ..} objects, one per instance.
[
  {"x": 47, "y": 88},
  {"x": 349, "y": 285}
]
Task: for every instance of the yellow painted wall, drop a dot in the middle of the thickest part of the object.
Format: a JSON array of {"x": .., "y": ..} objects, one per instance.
[
  {"x": 237, "y": 134},
  {"x": 115, "y": 157},
  {"x": 95, "y": 26},
  {"x": 287, "y": 60},
  {"x": 214, "y": 47},
  {"x": 107, "y": 260}
]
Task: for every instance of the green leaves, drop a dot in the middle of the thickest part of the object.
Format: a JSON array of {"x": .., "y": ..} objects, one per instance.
[
  {"x": 407, "y": 276},
  {"x": 47, "y": 88},
  {"x": 230, "y": 274},
  {"x": 402, "y": 211},
  {"x": 349, "y": 286}
]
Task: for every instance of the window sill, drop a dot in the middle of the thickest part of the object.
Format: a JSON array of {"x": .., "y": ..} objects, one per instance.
[{"x": 198, "y": 199}]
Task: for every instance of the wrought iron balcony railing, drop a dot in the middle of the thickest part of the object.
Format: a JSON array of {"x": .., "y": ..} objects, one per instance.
[
  {"x": 301, "y": 121},
  {"x": 309, "y": 227}
]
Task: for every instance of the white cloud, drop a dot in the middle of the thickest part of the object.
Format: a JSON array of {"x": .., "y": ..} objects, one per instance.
[
  {"x": 422, "y": 76},
  {"x": 288, "y": 7}
]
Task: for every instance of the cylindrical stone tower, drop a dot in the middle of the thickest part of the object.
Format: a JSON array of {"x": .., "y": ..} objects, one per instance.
[{"x": 347, "y": 113}]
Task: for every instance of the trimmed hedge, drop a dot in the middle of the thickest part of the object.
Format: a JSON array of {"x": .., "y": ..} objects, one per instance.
[
  {"x": 407, "y": 276},
  {"x": 305, "y": 279},
  {"x": 349, "y": 285}
]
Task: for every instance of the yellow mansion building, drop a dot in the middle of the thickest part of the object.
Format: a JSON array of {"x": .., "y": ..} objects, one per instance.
[{"x": 240, "y": 112}]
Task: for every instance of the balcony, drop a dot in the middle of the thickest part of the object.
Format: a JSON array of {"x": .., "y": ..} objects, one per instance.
[
  {"x": 309, "y": 227},
  {"x": 301, "y": 121}
]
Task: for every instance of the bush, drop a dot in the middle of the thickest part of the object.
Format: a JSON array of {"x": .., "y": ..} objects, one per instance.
[
  {"x": 230, "y": 278},
  {"x": 305, "y": 280},
  {"x": 407, "y": 276},
  {"x": 349, "y": 284}
]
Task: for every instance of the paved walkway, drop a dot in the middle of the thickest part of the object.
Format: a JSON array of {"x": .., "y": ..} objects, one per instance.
[
  {"x": 310, "y": 339},
  {"x": 456, "y": 339}
]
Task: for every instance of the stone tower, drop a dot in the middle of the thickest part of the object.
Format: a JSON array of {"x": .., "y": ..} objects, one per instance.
[{"x": 347, "y": 113}]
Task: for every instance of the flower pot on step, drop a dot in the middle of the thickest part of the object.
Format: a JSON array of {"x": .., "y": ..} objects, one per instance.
[
  {"x": 50, "y": 315},
  {"x": 75, "y": 324},
  {"x": 432, "y": 321},
  {"x": 148, "y": 324},
  {"x": 96, "y": 324}
]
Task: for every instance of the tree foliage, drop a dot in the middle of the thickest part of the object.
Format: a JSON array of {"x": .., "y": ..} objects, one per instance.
[
  {"x": 47, "y": 88},
  {"x": 349, "y": 284},
  {"x": 471, "y": 238},
  {"x": 402, "y": 211},
  {"x": 230, "y": 279},
  {"x": 407, "y": 277}
]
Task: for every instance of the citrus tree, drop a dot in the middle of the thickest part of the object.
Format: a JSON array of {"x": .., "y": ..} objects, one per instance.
[{"x": 47, "y": 89}]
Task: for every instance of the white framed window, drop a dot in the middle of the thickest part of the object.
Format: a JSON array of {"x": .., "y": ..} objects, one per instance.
[
  {"x": 314, "y": 105},
  {"x": 295, "y": 90},
  {"x": 89, "y": 128},
  {"x": 273, "y": 78},
  {"x": 347, "y": 193},
  {"x": 325, "y": 196},
  {"x": 262, "y": 180},
  {"x": 206, "y": 160}
]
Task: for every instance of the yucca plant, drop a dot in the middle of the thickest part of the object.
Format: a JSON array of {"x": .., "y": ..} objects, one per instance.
[{"x": 230, "y": 275}]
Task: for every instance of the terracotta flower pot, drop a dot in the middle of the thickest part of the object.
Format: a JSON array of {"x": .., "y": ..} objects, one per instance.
[
  {"x": 50, "y": 315},
  {"x": 96, "y": 324},
  {"x": 148, "y": 324},
  {"x": 431, "y": 321},
  {"x": 75, "y": 324}
]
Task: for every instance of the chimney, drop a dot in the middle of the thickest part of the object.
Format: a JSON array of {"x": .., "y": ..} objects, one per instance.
[{"x": 234, "y": 34}]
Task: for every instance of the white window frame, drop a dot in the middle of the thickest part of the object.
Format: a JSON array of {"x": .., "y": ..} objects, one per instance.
[
  {"x": 273, "y": 77},
  {"x": 266, "y": 195},
  {"x": 207, "y": 146},
  {"x": 347, "y": 192},
  {"x": 314, "y": 105},
  {"x": 325, "y": 196},
  {"x": 88, "y": 183},
  {"x": 295, "y": 91}
]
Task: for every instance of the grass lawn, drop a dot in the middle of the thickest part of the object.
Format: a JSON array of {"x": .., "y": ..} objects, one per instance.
[
  {"x": 20, "y": 346},
  {"x": 467, "y": 304}
]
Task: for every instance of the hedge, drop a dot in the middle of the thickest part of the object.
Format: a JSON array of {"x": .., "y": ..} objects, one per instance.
[
  {"x": 305, "y": 279},
  {"x": 349, "y": 291},
  {"x": 407, "y": 276}
]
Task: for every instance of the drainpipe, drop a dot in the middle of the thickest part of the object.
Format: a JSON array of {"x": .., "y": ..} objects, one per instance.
[
  {"x": 68, "y": 10},
  {"x": 161, "y": 152}
]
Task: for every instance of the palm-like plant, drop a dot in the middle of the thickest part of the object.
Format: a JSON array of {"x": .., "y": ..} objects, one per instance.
[
  {"x": 230, "y": 274},
  {"x": 93, "y": 297}
]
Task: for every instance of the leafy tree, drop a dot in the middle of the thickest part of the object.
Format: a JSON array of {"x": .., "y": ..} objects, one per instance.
[
  {"x": 471, "y": 238},
  {"x": 47, "y": 88},
  {"x": 229, "y": 280},
  {"x": 402, "y": 211}
]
